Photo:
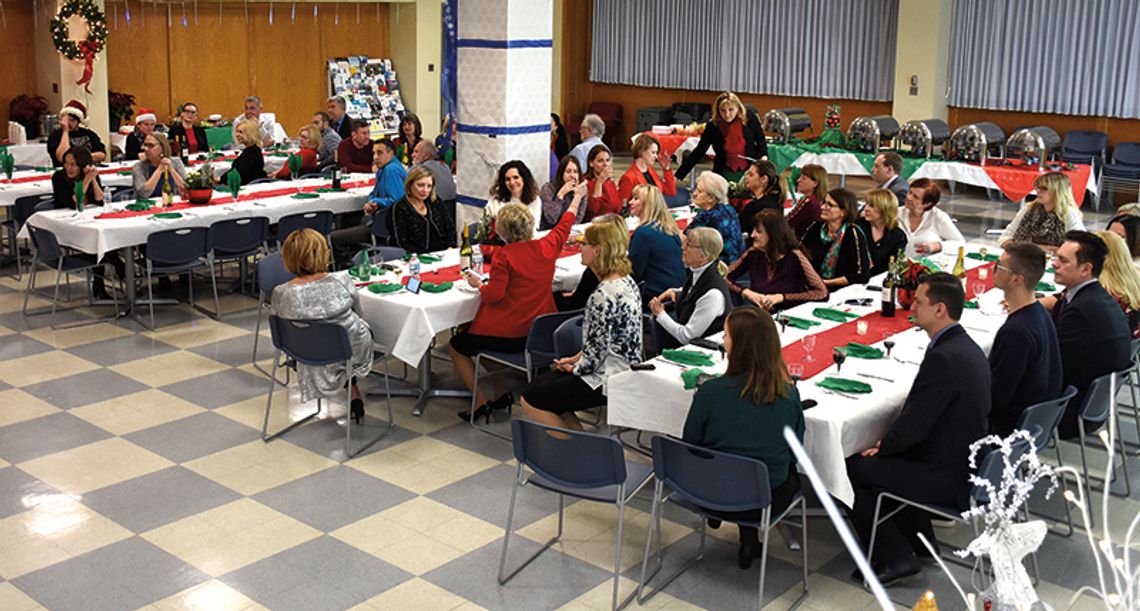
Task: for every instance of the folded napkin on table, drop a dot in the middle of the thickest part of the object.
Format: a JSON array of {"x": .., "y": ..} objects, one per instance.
[
  {"x": 833, "y": 315},
  {"x": 977, "y": 256},
  {"x": 844, "y": 385},
  {"x": 930, "y": 264},
  {"x": 801, "y": 323},
  {"x": 168, "y": 215},
  {"x": 1045, "y": 287},
  {"x": 41, "y": 168},
  {"x": 124, "y": 172},
  {"x": 861, "y": 351},
  {"x": 432, "y": 287},
  {"x": 424, "y": 258},
  {"x": 139, "y": 205},
  {"x": 687, "y": 357},
  {"x": 305, "y": 195},
  {"x": 693, "y": 378},
  {"x": 970, "y": 305},
  {"x": 384, "y": 287},
  {"x": 329, "y": 190}
]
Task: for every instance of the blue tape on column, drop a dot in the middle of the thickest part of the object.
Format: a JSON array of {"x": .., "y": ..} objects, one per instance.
[
  {"x": 471, "y": 201},
  {"x": 498, "y": 130},
  {"x": 486, "y": 43}
]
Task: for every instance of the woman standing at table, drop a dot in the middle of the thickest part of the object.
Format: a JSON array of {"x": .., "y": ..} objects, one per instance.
[
  {"x": 655, "y": 246},
  {"x": 1120, "y": 278},
  {"x": 411, "y": 132},
  {"x": 144, "y": 126},
  {"x": 517, "y": 292},
  {"x": 763, "y": 182},
  {"x": 735, "y": 136},
  {"x": 309, "y": 139},
  {"x": 928, "y": 229},
  {"x": 711, "y": 196},
  {"x": 249, "y": 165},
  {"x": 838, "y": 248},
  {"x": 779, "y": 273},
  {"x": 646, "y": 150},
  {"x": 702, "y": 301},
  {"x": 812, "y": 187},
  {"x": 315, "y": 294},
  {"x": 880, "y": 223},
  {"x": 558, "y": 194},
  {"x": 419, "y": 222},
  {"x": 515, "y": 185},
  {"x": 603, "y": 194},
  {"x": 611, "y": 336},
  {"x": 186, "y": 137},
  {"x": 1045, "y": 220},
  {"x": 744, "y": 412},
  {"x": 157, "y": 168}
]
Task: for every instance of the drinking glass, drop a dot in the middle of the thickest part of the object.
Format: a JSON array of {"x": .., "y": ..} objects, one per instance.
[
  {"x": 809, "y": 347},
  {"x": 839, "y": 358},
  {"x": 888, "y": 344},
  {"x": 797, "y": 372}
]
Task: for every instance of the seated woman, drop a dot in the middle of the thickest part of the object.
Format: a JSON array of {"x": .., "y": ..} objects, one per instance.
[
  {"x": 779, "y": 274},
  {"x": 309, "y": 138},
  {"x": 763, "y": 181},
  {"x": 812, "y": 187},
  {"x": 699, "y": 306},
  {"x": 745, "y": 411},
  {"x": 711, "y": 196},
  {"x": 646, "y": 151},
  {"x": 735, "y": 136},
  {"x": 249, "y": 165},
  {"x": 144, "y": 126},
  {"x": 1120, "y": 278},
  {"x": 557, "y": 194},
  {"x": 411, "y": 132},
  {"x": 1045, "y": 220},
  {"x": 315, "y": 294},
  {"x": 79, "y": 168},
  {"x": 588, "y": 282},
  {"x": 880, "y": 223},
  {"x": 517, "y": 292},
  {"x": 1127, "y": 227},
  {"x": 928, "y": 229},
  {"x": 603, "y": 194},
  {"x": 186, "y": 137},
  {"x": 838, "y": 248},
  {"x": 611, "y": 336},
  {"x": 655, "y": 246},
  {"x": 419, "y": 223},
  {"x": 157, "y": 168},
  {"x": 515, "y": 185}
]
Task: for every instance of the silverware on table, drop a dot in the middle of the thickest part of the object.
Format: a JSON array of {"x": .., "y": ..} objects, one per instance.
[
  {"x": 840, "y": 393},
  {"x": 873, "y": 376},
  {"x": 906, "y": 362}
]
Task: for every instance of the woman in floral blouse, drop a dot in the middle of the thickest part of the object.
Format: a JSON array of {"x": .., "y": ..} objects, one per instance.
[{"x": 611, "y": 336}]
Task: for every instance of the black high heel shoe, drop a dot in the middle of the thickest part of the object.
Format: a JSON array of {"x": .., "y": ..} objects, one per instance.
[
  {"x": 357, "y": 410},
  {"x": 484, "y": 411}
]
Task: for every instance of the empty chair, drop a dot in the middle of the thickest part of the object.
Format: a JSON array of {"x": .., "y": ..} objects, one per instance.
[
  {"x": 22, "y": 209},
  {"x": 47, "y": 252},
  {"x": 175, "y": 251},
  {"x": 1085, "y": 146},
  {"x": 238, "y": 240},
  {"x": 271, "y": 272},
  {"x": 320, "y": 221},
  {"x": 123, "y": 195},
  {"x": 1044, "y": 417},
  {"x": 1124, "y": 170},
  {"x": 1100, "y": 406}
]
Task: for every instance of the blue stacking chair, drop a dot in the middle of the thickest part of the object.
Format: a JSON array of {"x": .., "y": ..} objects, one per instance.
[
  {"x": 1123, "y": 170},
  {"x": 568, "y": 336},
  {"x": 586, "y": 466},
  {"x": 49, "y": 253},
  {"x": 1044, "y": 417},
  {"x": 238, "y": 240},
  {"x": 175, "y": 251},
  {"x": 703, "y": 480},
  {"x": 1100, "y": 406},
  {"x": 271, "y": 272},
  {"x": 320, "y": 221}
]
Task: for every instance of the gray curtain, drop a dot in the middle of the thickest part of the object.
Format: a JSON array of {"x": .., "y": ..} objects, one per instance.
[
  {"x": 1057, "y": 56},
  {"x": 803, "y": 48}
]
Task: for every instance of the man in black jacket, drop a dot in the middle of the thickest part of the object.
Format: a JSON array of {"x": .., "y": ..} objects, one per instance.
[
  {"x": 924, "y": 455},
  {"x": 1091, "y": 326},
  {"x": 887, "y": 170}
]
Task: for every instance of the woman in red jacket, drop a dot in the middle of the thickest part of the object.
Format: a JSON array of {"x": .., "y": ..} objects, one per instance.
[
  {"x": 517, "y": 292},
  {"x": 310, "y": 140},
  {"x": 646, "y": 150},
  {"x": 603, "y": 193}
]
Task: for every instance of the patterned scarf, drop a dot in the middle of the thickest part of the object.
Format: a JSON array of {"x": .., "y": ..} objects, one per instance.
[
  {"x": 1040, "y": 227},
  {"x": 833, "y": 241}
]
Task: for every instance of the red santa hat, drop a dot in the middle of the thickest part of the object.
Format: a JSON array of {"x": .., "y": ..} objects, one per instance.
[
  {"x": 76, "y": 109},
  {"x": 145, "y": 114}
]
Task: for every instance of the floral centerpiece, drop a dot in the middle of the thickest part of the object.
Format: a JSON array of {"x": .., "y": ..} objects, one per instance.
[
  {"x": 905, "y": 272},
  {"x": 200, "y": 184}
]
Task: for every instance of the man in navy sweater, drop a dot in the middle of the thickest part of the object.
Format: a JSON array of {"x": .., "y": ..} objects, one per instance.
[{"x": 1025, "y": 361}]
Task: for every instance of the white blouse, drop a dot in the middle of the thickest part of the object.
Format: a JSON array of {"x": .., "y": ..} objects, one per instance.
[
  {"x": 535, "y": 207},
  {"x": 935, "y": 226}
]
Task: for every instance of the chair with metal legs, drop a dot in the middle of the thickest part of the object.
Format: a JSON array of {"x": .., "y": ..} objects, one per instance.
[
  {"x": 176, "y": 251},
  {"x": 271, "y": 272},
  {"x": 703, "y": 481},
  {"x": 50, "y": 254},
  {"x": 580, "y": 465},
  {"x": 238, "y": 240},
  {"x": 1100, "y": 407},
  {"x": 315, "y": 344},
  {"x": 1044, "y": 417}
]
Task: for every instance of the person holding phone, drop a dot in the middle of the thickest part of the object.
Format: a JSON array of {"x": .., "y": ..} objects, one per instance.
[
  {"x": 157, "y": 168},
  {"x": 558, "y": 194}
]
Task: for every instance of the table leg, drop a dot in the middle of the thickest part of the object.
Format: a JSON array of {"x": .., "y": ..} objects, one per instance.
[{"x": 422, "y": 389}]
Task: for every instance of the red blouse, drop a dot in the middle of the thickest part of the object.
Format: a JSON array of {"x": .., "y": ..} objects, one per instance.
[
  {"x": 734, "y": 145},
  {"x": 308, "y": 164},
  {"x": 634, "y": 177},
  {"x": 608, "y": 201}
]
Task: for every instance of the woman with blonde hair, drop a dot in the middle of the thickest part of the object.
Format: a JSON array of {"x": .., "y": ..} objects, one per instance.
[
  {"x": 418, "y": 222},
  {"x": 735, "y": 136},
  {"x": 880, "y": 223},
  {"x": 812, "y": 187},
  {"x": 611, "y": 336},
  {"x": 315, "y": 294},
  {"x": 309, "y": 139},
  {"x": 1120, "y": 278},
  {"x": 711, "y": 196},
  {"x": 655, "y": 246},
  {"x": 250, "y": 164},
  {"x": 1045, "y": 220},
  {"x": 702, "y": 303}
]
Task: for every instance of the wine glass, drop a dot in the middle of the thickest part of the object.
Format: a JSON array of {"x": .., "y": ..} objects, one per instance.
[
  {"x": 839, "y": 356},
  {"x": 809, "y": 347},
  {"x": 797, "y": 372},
  {"x": 888, "y": 344},
  {"x": 978, "y": 288},
  {"x": 783, "y": 320}
]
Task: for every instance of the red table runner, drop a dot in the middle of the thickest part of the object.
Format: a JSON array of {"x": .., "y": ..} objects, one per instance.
[
  {"x": 1016, "y": 181},
  {"x": 228, "y": 199},
  {"x": 669, "y": 142}
]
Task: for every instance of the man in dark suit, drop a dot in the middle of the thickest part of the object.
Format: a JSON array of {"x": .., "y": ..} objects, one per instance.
[
  {"x": 1091, "y": 326},
  {"x": 924, "y": 456},
  {"x": 886, "y": 171},
  {"x": 338, "y": 117}
]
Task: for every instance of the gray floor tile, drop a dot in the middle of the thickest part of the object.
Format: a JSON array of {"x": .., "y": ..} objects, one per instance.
[
  {"x": 462, "y": 435},
  {"x": 487, "y": 496},
  {"x": 236, "y": 351},
  {"x": 85, "y": 388},
  {"x": 908, "y": 591},
  {"x": 13, "y": 348},
  {"x": 334, "y": 497},
  {"x": 18, "y": 491},
  {"x": 144, "y": 568},
  {"x": 5, "y": 386},
  {"x": 326, "y": 436},
  {"x": 76, "y": 585},
  {"x": 150, "y": 501},
  {"x": 111, "y": 352},
  {"x": 193, "y": 437},
  {"x": 52, "y": 433},
  {"x": 219, "y": 389},
  {"x": 18, "y": 322}
]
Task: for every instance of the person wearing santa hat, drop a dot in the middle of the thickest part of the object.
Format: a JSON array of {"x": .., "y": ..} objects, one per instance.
[
  {"x": 71, "y": 134},
  {"x": 144, "y": 126}
]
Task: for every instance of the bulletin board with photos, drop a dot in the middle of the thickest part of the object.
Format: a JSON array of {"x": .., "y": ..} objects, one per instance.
[{"x": 370, "y": 91}]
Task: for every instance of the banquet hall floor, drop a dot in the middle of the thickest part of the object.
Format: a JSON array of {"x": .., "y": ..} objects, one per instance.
[{"x": 132, "y": 475}]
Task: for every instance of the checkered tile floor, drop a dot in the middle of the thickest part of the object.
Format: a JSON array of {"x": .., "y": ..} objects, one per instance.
[{"x": 132, "y": 475}]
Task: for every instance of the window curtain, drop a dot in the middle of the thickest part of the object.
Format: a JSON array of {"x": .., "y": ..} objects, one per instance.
[
  {"x": 802, "y": 48},
  {"x": 1055, "y": 56}
]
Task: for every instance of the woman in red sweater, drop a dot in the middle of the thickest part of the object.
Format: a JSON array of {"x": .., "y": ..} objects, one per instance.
[
  {"x": 310, "y": 140},
  {"x": 600, "y": 184},
  {"x": 517, "y": 292},
  {"x": 646, "y": 151}
]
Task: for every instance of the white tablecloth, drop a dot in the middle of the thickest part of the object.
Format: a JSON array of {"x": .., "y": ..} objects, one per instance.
[
  {"x": 32, "y": 153},
  {"x": 11, "y": 191}
]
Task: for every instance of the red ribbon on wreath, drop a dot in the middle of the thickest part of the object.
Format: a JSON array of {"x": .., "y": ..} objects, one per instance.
[{"x": 89, "y": 50}]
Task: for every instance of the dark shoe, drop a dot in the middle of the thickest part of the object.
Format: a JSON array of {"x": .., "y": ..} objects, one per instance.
[
  {"x": 746, "y": 553},
  {"x": 483, "y": 411},
  {"x": 357, "y": 410},
  {"x": 890, "y": 573},
  {"x": 713, "y": 523},
  {"x": 99, "y": 290},
  {"x": 503, "y": 402}
]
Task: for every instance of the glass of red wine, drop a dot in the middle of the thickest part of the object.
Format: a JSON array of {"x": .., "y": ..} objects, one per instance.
[
  {"x": 839, "y": 356},
  {"x": 888, "y": 344}
]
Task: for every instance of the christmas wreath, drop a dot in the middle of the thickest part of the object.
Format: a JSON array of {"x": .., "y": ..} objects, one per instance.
[{"x": 84, "y": 50}]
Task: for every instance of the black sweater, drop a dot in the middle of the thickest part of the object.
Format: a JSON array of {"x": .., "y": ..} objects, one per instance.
[
  {"x": 854, "y": 255},
  {"x": 881, "y": 251},
  {"x": 1025, "y": 365},
  {"x": 755, "y": 146}
]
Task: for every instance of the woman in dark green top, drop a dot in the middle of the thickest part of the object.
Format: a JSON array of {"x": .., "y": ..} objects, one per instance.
[{"x": 745, "y": 411}]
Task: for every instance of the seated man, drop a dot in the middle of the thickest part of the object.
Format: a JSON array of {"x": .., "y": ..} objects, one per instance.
[
  {"x": 70, "y": 134},
  {"x": 330, "y": 140},
  {"x": 1091, "y": 327},
  {"x": 924, "y": 455},
  {"x": 355, "y": 153},
  {"x": 704, "y": 300},
  {"x": 268, "y": 129},
  {"x": 886, "y": 171},
  {"x": 424, "y": 154},
  {"x": 591, "y": 132},
  {"x": 338, "y": 116},
  {"x": 389, "y": 188},
  {"x": 1025, "y": 359}
]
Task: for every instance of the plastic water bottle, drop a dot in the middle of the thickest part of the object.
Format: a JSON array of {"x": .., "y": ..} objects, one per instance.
[
  {"x": 476, "y": 258},
  {"x": 414, "y": 266}
]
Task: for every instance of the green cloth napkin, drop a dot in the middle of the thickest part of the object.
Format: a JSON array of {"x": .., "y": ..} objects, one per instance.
[
  {"x": 329, "y": 190},
  {"x": 80, "y": 195},
  {"x": 929, "y": 264},
  {"x": 861, "y": 351},
  {"x": 305, "y": 195},
  {"x": 424, "y": 258},
  {"x": 833, "y": 315},
  {"x": 801, "y": 323},
  {"x": 970, "y": 305},
  {"x": 687, "y": 357},
  {"x": 432, "y": 287},
  {"x": 41, "y": 168},
  {"x": 294, "y": 164},
  {"x": 1045, "y": 287},
  {"x": 375, "y": 271},
  {"x": 145, "y": 200},
  {"x": 977, "y": 256},
  {"x": 844, "y": 385},
  {"x": 694, "y": 377},
  {"x": 124, "y": 172},
  {"x": 384, "y": 287},
  {"x": 278, "y": 155},
  {"x": 139, "y": 206},
  {"x": 168, "y": 215},
  {"x": 233, "y": 181}
]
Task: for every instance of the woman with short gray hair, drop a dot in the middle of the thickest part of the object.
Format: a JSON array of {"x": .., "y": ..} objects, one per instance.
[
  {"x": 703, "y": 301},
  {"x": 711, "y": 196}
]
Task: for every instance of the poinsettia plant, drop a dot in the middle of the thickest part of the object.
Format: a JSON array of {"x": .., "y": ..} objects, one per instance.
[
  {"x": 907, "y": 271},
  {"x": 120, "y": 106},
  {"x": 27, "y": 109}
]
